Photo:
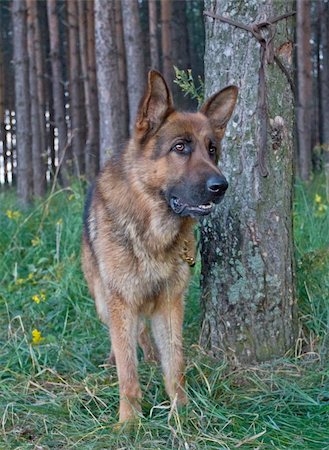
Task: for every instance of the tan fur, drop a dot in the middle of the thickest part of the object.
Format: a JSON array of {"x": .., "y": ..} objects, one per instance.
[{"x": 133, "y": 242}]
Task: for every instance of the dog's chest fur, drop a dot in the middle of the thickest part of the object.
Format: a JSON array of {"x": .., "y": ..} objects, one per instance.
[{"x": 141, "y": 263}]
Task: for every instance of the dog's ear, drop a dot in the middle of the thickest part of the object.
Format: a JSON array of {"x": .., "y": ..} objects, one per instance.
[
  {"x": 155, "y": 106},
  {"x": 219, "y": 107}
]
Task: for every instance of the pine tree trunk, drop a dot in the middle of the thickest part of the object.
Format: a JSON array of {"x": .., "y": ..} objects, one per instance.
[
  {"x": 324, "y": 81},
  {"x": 122, "y": 67},
  {"x": 39, "y": 180},
  {"x": 318, "y": 69},
  {"x": 58, "y": 92},
  {"x": 40, "y": 67},
  {"x": 133, "y": 39},
  {"x": 93, "y": 130},
  {"x": 74, "y": 87},
  {"x": 91, "y": 146},
  {"x": 305, "y": 94},
  {"x": 247, "y": 280},
  {"x": 179, "y": 35},
  {"x": 194, "y": 13},
  {"x": 112, "y": 124},
  {"x": 2, "y": 92},
  {"x": 153, "y": 32},
  {"x": 180, "y": 48},
  {"x": 168, "y": 71},
  {"x": 22, "y": 103}
]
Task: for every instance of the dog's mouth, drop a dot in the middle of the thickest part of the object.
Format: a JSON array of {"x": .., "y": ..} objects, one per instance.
[{"x": 184, "y": 209}]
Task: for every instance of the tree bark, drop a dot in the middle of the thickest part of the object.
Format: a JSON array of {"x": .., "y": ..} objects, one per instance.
[
  {"x": 40, "y": 67},
  {"x": 74, "y": 87},
  {"x": 22, "y": 103},
  {"x": 94, "y": 129},
  {"x": 196, "y": 37},
  {"x": 3, "y": 146},
  {"x": 247, "y": 275},
  {"x": 324, "y": 82},
  {"x": 180, "y": 48},
  {"x": 305, "y": 94},
  {"x": 136, "y": 78},
  {"x": 58, "y": 92},
  {"x": 2, "y": 91},
  {"x": 179, "y": 35},
  {"x": 112, "y": 122},
  {"x": 122, "y": 67},
  {"x": 91, "y": 146},
  {"x": 39, "y": 176},
  {"x": 153, "y": 32},
  {"x": 168, "y": 71}
]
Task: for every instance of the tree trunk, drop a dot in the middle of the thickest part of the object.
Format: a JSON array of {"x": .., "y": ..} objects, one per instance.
[
  {"x": 112, "y": 122},
  {"x": 74, "y": 87},
  {"x": 179, "y": 35},
  {"x": 248, "y": 295},
  {"x": 58, "y": 92},
  {"x": 39, "y": 179},
  {"x": 168, "y": 70},
  {"x": 3, "y": 146},
  {"x": 304, "y": 83},
  {"x": 134, "y": 56},
  {"x": 122, "y": 66},
  {"x": 2, "y": 91},
  {"x": 180, "y": 48},
  {"x": 318, "y": 68},
  {"x": 22, "y": 106},
  {"x": 324, "y": 81},
  {"x": 40, "y": 67},
  {"x": 196, "y": 38},
  {"x": 153, "y": 32},
  {"x": 93, "y": 136},
  {"x": 91, "y": 146}
]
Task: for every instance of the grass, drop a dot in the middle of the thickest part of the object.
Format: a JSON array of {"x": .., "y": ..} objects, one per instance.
[{"x": 58, "y": 394}]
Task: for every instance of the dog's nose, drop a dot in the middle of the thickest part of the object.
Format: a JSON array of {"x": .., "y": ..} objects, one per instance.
[{"x": 217, "y": 184}]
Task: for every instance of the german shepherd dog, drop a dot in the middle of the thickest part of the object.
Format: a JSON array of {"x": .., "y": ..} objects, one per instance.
[{"x": 138, "y": 231}]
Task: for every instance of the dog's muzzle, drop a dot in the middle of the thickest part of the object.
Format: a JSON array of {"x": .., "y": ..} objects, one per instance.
[{"x": 204, "y": 203}]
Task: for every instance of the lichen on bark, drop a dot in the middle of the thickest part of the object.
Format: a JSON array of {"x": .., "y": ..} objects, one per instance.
[{"x": 247, "y": 279}]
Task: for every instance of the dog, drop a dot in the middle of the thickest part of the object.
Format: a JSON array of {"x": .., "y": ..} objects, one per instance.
[{"x": 138, "y": 238}]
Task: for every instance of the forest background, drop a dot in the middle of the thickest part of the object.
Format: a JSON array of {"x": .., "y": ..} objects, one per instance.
[{"x": 59, "y": 121}]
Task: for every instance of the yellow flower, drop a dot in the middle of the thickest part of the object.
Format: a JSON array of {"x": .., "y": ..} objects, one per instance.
[
  {"x": 13, "y": 215},
  {"x": 322, "y": 208},
  {"x": 36, "y": 241},
  {"x": 30, "y": 276},
  {"x": 317, "y": 198},
  {"x": 59, "y": 222},
  {"x": 36, "y": 336},
  {"x": 36, "y": 299}
]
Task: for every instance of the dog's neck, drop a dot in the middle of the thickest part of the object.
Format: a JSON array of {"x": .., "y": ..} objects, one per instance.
[{"x": 148, "y": 218}]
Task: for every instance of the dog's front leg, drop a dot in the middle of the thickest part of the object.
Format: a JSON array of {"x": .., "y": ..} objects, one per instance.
[
  {"x": 167, "y": 325},
  {"x": 124, "y": 332}
]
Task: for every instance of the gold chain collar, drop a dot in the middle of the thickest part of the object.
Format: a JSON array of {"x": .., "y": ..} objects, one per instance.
[{"x": 185, "y": 254}]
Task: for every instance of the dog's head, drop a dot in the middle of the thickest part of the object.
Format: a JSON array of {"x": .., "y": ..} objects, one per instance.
[{"x": 182, "y": 149}]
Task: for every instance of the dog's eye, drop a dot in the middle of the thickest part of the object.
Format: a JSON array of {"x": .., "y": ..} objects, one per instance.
[
  {"x": 212, "y": 150},
  {"x": 180, "y": 147}
]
